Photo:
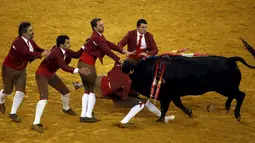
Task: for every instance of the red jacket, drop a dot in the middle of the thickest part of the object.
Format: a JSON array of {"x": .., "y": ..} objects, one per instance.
[
  {"x": 19, "y": 54},
  {"x": 98, "y": 47},
  {"x": 55, "y": 60},
  {"x": 120, "y": 83},
  {"x": 131, "y": 40}
]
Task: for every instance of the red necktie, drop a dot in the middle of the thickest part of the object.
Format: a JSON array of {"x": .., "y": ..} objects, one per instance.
[
  {"x": 138, "y": 47},
  {"x": 138, "y": 50}
]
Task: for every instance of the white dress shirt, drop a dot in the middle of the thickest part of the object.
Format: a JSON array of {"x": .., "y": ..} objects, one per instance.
[
  {"x": 31, "y": 49},
  {"x": 143, "y": 43},
  {"x": 64, "y": 53}
]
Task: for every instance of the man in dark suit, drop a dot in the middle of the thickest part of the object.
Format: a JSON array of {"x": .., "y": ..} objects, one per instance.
[
  {"x": 139, "y": 41},
  {"x": 23, "y": 50},
  {"x": 60, "y": 57},
  {"x": 96, "y": 47}
]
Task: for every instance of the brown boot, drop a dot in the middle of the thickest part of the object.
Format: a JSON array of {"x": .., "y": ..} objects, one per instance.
[
  {"x": 2, "y": 108},
  {"x": 38, "y": 127},
  {"x": 15, "y": 118},
  {"x": 70, "y": 111}
]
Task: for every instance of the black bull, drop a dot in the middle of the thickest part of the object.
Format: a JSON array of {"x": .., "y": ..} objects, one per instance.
[{"x": 190, "y": 76}]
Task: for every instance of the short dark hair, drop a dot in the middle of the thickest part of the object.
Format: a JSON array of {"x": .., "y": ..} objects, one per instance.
[
  {"x": 141, "y": 21},
  {"x": 61, "y": 39},
  {"x": 23, "y": 27},
  {"x": 93, "y": 22},
  {"x": 128, "y": 66}
]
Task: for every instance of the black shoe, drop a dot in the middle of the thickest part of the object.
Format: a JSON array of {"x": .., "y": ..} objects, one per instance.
[
  {"x": 70, "y": 111},
  {"x": 89, "y": 120},
  {"x": 2, "y": 108},
  {"x": 38, "y": 127},
  {"x": 82, "y": 119},
  {"x": 15, "y": 118}
]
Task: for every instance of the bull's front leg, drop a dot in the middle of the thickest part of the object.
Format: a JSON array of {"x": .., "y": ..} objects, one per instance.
[
  {"x": 178, "y": 103},
  {"x": 164, "y": 107}
]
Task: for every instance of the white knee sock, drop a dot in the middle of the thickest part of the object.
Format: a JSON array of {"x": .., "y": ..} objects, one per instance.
[
  {"x": 2, "y": 96},
  {"x": 39, "y": 110},
  {"x": 17, "y": 101},
  {"x": 91, "y": 104},
  {"x": 151, "y": 107},
  {"x": 136, "y": 109},
  {"x": 65, "y": 100},
  {"x": 84, "y": 104}
]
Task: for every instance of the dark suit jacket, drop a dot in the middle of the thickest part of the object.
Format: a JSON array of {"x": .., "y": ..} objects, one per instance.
[
  {"x": 19, "y": 54},
  {"x": 131, "y": 40},
  {"x": 98, "y": 46},
  {"x": 55, "y": 60}
]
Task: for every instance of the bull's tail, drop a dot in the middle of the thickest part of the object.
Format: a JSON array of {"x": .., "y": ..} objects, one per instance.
[
  {"x": 240, "y": 59},
  {"x": 248, "y": 47}
]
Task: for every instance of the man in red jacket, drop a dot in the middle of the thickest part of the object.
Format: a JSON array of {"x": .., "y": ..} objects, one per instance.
[
  {"x": 115, "y": 86},
  {"x": 139, "y": 41},
  {"x": 23, "y": 50},
  {"x": 60, "y": 57},
  {"x": 96, "y": 47}
]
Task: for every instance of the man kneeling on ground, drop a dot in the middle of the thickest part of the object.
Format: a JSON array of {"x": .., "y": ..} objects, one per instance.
[{"x": 116, "y": 86}]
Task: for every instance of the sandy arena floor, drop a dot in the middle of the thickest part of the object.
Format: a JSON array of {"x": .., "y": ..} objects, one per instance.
[{"x": 210, "y": 26}]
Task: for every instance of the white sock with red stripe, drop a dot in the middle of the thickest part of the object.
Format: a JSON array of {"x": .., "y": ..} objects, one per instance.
[
  {"x": 84, "y": 103},
  {"x": 2, "y": 96},
  {"x": 136, "y": 109},
  {"x": 91, "y": 104},
  {"x": 65, "y": 100},
  {"x": 39, "y": 110},
  {"x": 17, "y": 101}
]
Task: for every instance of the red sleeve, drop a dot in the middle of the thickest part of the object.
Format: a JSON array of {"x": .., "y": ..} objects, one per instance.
[
  {"x": 102, "y": 44},
  {"x": 154, "y": 49},
  {"x": 125, "y": 86},
  {"x": 114, "y": 47},
  {"x": 61, "y": 63},
  {"x": 37, "y": 48},
  {"x": 19, "y": 46},
  {"x": 73, "y": 54},
  {"x": 124, "y": 40}
]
